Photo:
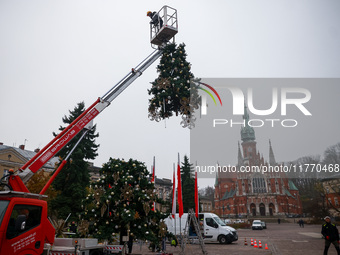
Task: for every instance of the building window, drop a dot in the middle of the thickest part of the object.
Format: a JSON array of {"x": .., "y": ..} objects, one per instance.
[
  {"x": 23, "y": 218},
  {"x": 336, "y": 202},
  {"x": 259, "y": 185},
  {"x": 5, "y": 173}
]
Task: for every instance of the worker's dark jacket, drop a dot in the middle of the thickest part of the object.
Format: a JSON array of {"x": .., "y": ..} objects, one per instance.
[
  {"x": 330, "y": 232},
  {"x": 155, "y": 19}
]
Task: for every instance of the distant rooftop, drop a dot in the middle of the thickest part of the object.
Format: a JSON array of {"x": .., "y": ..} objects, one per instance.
[{"x": 29, "y": 154}]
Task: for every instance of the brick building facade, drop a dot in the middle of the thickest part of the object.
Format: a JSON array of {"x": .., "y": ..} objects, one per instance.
[{"x": 255, "y": 193}]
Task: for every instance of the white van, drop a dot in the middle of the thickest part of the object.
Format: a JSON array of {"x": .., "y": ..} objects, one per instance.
[{"x": 212, "y": 227}]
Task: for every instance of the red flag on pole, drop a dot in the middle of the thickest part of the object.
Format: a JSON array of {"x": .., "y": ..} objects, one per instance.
[
  {"x": 153, "y": 170},
  {"x": 153, "y": 181},
  {"x": 179, "y": 190},
  {"x": 174, "y": 195},
  {"x": 196, "y": 196}
]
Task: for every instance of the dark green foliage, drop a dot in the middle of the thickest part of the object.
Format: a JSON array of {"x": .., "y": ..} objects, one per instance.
[
  {"x": 74, "y": 177},
  {"x": 188, "y": 185},
  {"x": 121, "y": 200},
  {"x": 171, "y": 91}
]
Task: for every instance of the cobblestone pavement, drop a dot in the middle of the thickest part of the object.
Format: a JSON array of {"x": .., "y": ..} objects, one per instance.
[{"x": 281, "y": 239}]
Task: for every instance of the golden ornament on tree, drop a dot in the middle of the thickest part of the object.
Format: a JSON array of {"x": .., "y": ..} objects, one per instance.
[
  {"x": 126, "y": 192},
  {"x": 162, "y": 229},
  {"x": 185, "y": 106},
  {"x": 137, "y": 216},
  {"x": 83, "y": 228},
  {"x": 163, "y": 83},
  {"x": 102, "y": 210},
  {"x": 116, "y": 177},
  {"x": 146, "y": 208},
  {"x": 97, "y": 194}
]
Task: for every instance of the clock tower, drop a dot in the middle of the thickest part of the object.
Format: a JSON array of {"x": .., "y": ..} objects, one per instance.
[{"x": 248, "y": 140}]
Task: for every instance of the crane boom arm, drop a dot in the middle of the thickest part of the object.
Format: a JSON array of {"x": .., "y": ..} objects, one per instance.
[{"x": 52, "y": 148}]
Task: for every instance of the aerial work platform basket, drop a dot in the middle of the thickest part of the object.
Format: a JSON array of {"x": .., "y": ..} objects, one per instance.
[{"x": 166, "y": 28}]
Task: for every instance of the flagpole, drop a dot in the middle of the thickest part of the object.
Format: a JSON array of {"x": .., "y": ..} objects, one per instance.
[
  {"x": 154, "y": 182},
  {"x": 179, "y": 188},
  {"x": 196, "y": 196},
  {"x": 174, "y": 197}
]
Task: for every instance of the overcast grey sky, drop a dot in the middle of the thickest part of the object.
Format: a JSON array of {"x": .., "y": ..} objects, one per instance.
[{"x": 54, "y": 54}]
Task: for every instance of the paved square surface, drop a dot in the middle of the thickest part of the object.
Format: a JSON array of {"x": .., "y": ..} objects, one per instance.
[{"x": 283, "y": 239}]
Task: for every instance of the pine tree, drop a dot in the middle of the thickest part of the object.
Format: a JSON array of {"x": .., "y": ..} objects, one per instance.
[
  {"x": 120, "y": 202},
  {"x": 74, "y": 177},
  {"x": 172, "y": 91},
  {"x": 188, "y": 185}
]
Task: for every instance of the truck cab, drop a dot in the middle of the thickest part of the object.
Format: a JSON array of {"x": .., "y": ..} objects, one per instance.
[
  {"x": 214, "y": 229},
  {"x": 24, "y": 226}
]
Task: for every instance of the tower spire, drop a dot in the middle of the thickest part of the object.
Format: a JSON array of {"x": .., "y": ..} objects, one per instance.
[
  {"x": 271, "y": 154},
  {"x": 240, "y": 158},
  {"x": 247, "y": 132},
  {"x": 216, "y": 178}
]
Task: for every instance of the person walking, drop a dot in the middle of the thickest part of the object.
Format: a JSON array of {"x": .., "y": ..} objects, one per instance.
[
  {"x": 331, "y": 234},
  {"x": 302, "y": 223}
]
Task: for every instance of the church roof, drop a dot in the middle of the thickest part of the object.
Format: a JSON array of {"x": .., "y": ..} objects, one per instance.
[
  {"x": 229, "y": 194},
  {"x": 292, "y": 186},
  {"x": 288, "y": 193}
]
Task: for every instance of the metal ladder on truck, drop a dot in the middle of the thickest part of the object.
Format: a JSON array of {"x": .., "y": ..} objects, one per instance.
[
  {"x": 84, "y": 120},
  {"x": 51, "y": 149},
  {"x": 192, "y": 219},
  {"x": 19, "y": 195}
]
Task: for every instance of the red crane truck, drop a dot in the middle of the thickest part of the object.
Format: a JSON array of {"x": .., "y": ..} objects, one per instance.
[{"x": 24, "y": 224}]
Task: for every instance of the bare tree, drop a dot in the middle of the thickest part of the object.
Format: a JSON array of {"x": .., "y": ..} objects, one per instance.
[{"x": 331, "y": 180}]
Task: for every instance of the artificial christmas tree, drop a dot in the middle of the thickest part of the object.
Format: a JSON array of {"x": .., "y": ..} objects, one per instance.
[
  {"x": 120, "y": 202},
  {"x": 171, "y": 91}
]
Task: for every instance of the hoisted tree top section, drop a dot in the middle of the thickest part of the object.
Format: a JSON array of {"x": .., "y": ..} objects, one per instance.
[{"x": 164, "y": 25}]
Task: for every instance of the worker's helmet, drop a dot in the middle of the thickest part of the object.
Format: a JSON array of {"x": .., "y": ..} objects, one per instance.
[{"x": 148, "y": 13}]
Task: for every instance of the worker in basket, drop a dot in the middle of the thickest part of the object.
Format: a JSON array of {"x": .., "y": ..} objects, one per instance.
[{"x": 155, "y": 19}]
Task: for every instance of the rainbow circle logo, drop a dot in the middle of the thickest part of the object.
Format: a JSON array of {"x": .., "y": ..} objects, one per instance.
[{"x": 209, "y": 93}]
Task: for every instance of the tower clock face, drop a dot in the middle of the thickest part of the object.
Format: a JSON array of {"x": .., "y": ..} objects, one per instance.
[{"x": 250, "y": 149}]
